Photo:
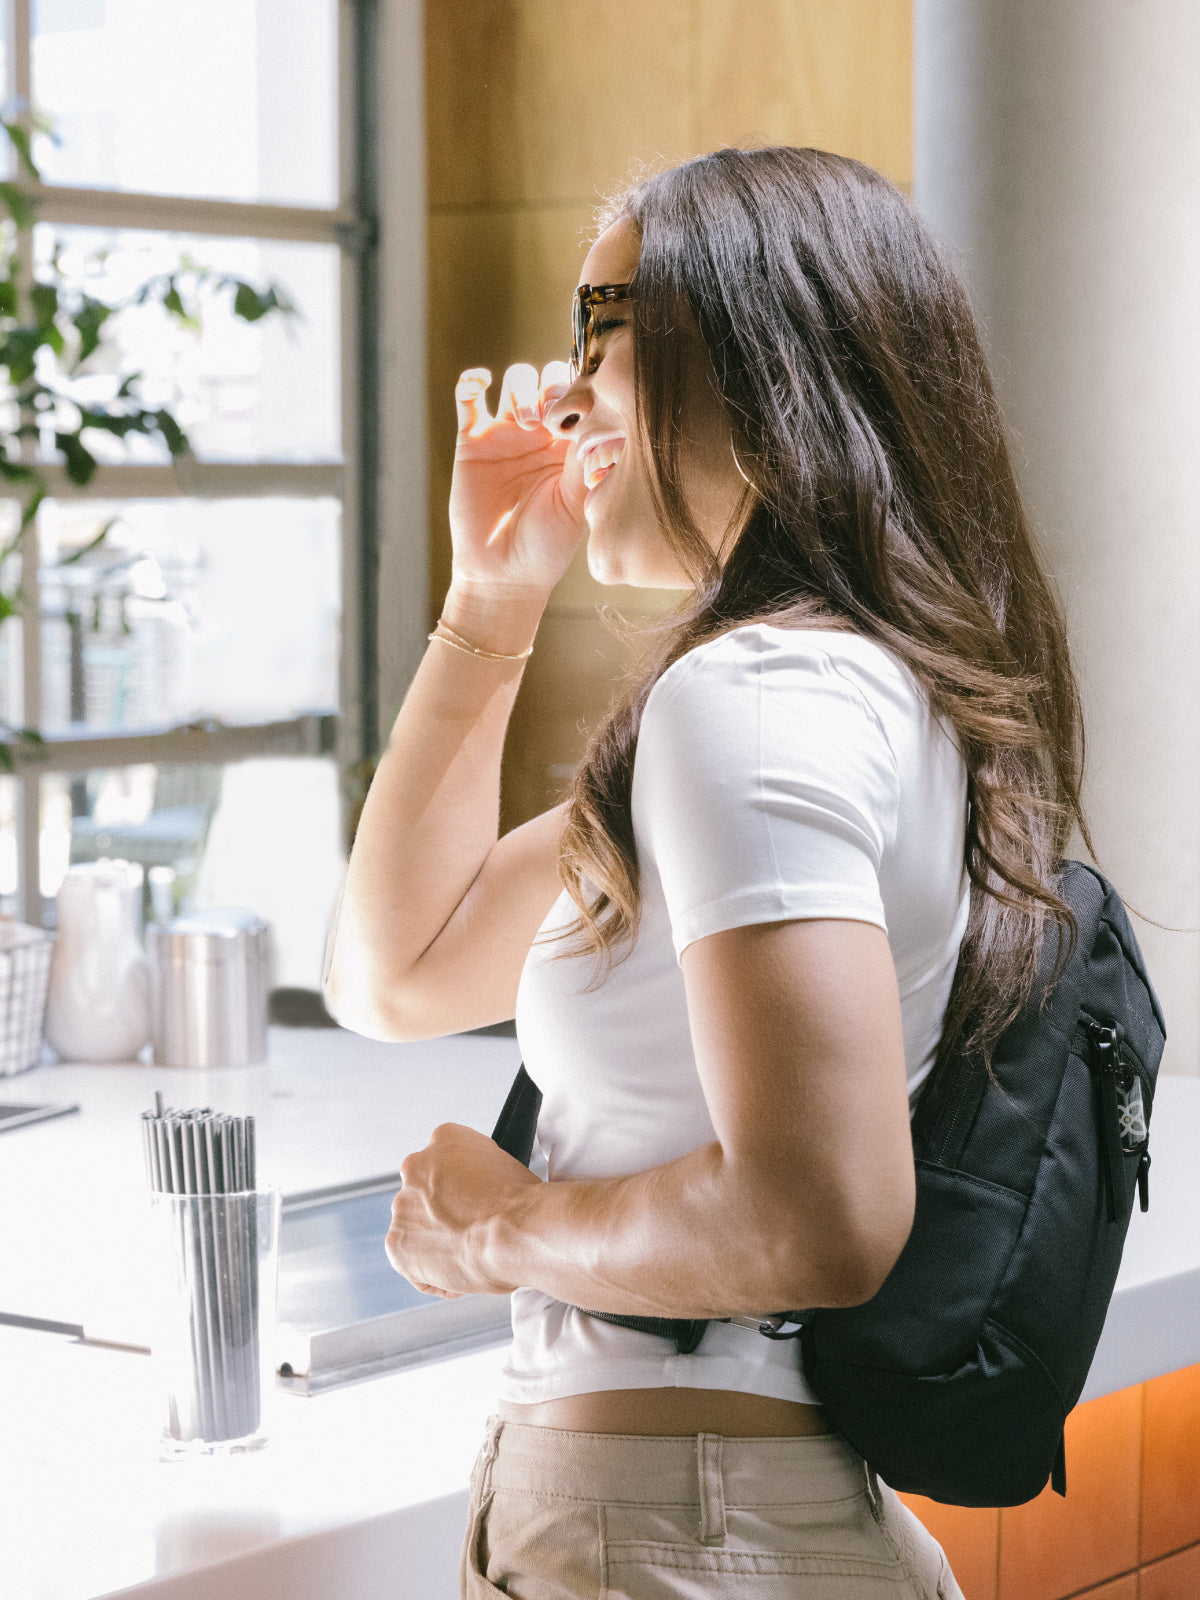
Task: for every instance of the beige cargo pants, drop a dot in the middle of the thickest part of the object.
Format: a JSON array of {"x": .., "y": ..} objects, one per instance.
[{"x": 593, "y": 1516}]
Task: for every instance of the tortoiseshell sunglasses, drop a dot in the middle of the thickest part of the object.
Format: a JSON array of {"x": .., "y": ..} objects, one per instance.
[{"x": 587, "y": 297}]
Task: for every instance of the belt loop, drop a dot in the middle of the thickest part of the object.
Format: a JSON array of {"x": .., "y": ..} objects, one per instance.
[
  {"x": 712, "y": 1488},
  {"x": 874, "y": 1493},
  {"x": 487, "y": 1453}
]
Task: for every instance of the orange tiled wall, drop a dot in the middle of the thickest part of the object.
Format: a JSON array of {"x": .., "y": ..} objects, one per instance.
[{"x": 1129, "y": 1528}]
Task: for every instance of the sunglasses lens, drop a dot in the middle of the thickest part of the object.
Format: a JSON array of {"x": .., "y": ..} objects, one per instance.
[{"x": 580, "y": 317}]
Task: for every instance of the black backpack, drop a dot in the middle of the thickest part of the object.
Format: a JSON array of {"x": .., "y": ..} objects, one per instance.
[{"x": 954, "y": 1381}]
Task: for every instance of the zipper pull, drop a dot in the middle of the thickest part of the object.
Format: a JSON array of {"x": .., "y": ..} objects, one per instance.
[
  {"x": 1143, "y": 1180},
  {"x": 1106, "y": 1039}
]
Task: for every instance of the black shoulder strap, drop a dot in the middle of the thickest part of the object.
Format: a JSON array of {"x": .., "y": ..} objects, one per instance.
[
  {"x": 514, "y": 1132},
  {"x": 517, "y": 1123}
]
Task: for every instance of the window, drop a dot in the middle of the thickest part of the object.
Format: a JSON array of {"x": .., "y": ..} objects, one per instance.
[{"x": 198, "y": 680}]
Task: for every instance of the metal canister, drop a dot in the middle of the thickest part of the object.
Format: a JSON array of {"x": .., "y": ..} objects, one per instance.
[{"x": 210, "y": 978}]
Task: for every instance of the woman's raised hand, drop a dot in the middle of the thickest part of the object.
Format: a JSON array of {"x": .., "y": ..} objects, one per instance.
[{"x": 516, "y": 501}]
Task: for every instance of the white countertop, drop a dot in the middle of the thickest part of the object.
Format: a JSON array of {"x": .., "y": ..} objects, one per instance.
[
  {"x": 360, "y": 1495},
  {"x": 329, "y": 1108},
  {"x": 362, "y": 1492}
]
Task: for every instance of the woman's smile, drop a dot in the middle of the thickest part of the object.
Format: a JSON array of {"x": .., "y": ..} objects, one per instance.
[{"x": 597, "y": 458}]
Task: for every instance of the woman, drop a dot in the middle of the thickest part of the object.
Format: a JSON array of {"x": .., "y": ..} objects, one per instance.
[{"x": 733, "y": 954}]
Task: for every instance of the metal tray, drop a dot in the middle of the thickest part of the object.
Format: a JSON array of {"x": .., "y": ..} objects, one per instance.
[{"x": 344, "y": 1313}]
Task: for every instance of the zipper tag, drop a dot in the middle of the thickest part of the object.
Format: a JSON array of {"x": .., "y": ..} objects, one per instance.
[
  {"x": 1106, "y": 1040},
  {"x": 1143, "y": 1181},
  {"x": 1131, "y": 1113}
]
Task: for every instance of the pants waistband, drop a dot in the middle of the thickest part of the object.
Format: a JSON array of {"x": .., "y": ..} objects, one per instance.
[{"x": 651, "y": 1470}]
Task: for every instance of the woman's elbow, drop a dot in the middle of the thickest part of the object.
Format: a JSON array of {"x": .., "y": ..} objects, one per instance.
[
  {"x": 843, "y": 1263},
  {"x": 373, "y": 1008},
  {"x": 861, "y": 1272}
]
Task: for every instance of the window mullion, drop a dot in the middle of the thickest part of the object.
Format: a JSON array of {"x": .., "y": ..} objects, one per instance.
[
  {"x": 29, "y": 889},
  {"x": 311, "y": 734},
  {"x": 20, "y": 40},
  {"x": 165, "y": 213},
  {"x": 200, "y": 480}
]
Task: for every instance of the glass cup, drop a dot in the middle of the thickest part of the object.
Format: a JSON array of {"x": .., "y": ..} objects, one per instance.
[{"x": 215, "y": 1273}]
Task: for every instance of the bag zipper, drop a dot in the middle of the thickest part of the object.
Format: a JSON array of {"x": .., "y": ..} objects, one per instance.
[
  {"x": 958, "y": 1095},
  {"x": 1121, "y": 1086}
]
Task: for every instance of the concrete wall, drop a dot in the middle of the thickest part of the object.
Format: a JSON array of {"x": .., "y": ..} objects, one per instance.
[{"x": 1057, "y": 146}]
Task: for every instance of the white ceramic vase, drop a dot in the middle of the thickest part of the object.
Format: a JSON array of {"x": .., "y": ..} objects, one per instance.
[{"x": 98, "y": 1007}]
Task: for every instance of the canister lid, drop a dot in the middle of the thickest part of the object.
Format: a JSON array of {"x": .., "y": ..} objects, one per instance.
[{"x": 225, "y": 933}]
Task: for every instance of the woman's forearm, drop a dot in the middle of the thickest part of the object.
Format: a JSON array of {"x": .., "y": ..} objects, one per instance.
[
  {"x": 433, "y": 811},
  {"x": 691, "y": 1238}
]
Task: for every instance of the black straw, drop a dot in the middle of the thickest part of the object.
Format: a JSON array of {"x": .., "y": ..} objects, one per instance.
[{"x": 210, "y": 1156}]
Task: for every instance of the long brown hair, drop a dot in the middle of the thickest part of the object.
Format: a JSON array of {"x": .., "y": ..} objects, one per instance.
[{"x": 844, "y": 349}]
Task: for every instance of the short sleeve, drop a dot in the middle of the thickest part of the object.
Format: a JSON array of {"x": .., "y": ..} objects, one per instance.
[{"x": 765, "y": 788}]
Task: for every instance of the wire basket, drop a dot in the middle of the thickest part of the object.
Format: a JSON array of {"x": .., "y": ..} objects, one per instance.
[{"x": 24, "y": 979}]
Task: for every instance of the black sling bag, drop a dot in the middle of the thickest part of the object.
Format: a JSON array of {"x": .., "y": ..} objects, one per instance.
[{"x": 954, "y": 1381}]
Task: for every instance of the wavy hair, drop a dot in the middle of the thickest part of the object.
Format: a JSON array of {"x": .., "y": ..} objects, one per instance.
[{"x": 845, "y": 352}]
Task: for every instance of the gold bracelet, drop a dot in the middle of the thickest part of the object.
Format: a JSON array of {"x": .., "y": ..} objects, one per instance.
[{"x": 459, "y": 643}]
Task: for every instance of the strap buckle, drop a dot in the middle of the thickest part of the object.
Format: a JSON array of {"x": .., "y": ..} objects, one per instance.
[{"x": 771, "y": 1326}]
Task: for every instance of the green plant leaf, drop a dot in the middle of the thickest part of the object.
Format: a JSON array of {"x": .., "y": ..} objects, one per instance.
[
  {"x": 17, "y": 204},
  {"x": 176, "y": 439},
  {"x": 18, "y": 350},
  {"x": 120, "y": 423},
  {"x": 172, "y": 301},
  {"x": 19, "y": 139},
  {"x": 92, "y": 544},
  {"x": 32, "y": 506},
  {"x": 250, "y": 303},
  {"x": 44, "y": 299},
  {"x": 88, "y": 321},
  {"x": 30, "y": 738},
  {"x": 79, "y": 460}
]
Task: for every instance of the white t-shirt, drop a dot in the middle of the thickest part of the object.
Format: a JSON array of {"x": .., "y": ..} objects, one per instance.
[{"x": 780, "y": 773}]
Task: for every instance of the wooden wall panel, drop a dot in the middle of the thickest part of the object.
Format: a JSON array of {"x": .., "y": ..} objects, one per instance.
[
  {"x": 537, "y": 100},
  {"x": 567, "y": 688},
  {"x": 829, "y": 73},
  {"x": 499, "y": 291},
  {"x": 536, "y": 110}
]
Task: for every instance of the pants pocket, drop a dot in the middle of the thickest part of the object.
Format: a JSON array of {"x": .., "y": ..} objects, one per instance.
[
  {"x": 834, "y": 1551},
  {"x": 922, "y": 1555},
  {"x": 675, "y": 1572},
  {"x": 473, "y": 1582}
]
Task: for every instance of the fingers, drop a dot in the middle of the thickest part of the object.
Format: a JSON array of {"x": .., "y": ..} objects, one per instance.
[
  {"x": 519, "y": 396},
  {"x": 525, "y": 398},
  {"x": 470, "y": 399},
  {"x": 556, "y": 380}
]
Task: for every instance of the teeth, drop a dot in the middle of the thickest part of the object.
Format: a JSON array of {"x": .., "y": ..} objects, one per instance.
[{"x": 599, "y": 458}]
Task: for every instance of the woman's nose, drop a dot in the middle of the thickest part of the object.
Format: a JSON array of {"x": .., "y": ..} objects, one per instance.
[{"x": 565, "y": 415}]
